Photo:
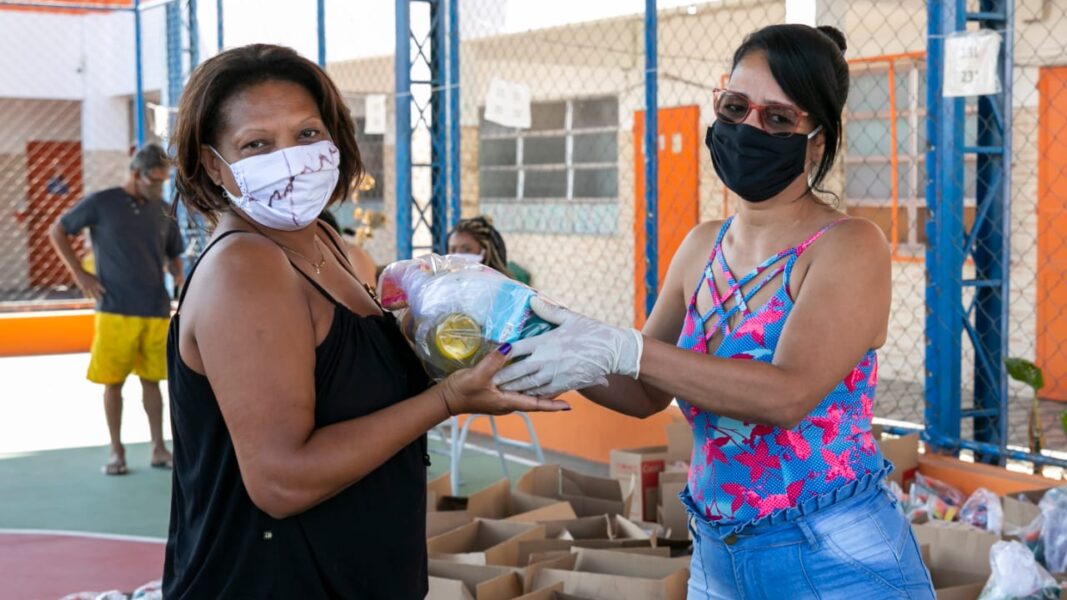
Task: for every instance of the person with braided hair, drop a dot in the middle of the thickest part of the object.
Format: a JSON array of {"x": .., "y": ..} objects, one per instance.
[{"x": 477, "y": 236}]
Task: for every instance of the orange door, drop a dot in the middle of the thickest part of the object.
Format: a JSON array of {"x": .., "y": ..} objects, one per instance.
[
  {"x": 1052, "y": 232},
  {"x": 680, "y": 142},
  {"x": 53, "y": 184}
]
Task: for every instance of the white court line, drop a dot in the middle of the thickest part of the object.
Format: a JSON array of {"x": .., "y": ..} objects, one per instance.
[{"x": 85, "y": 534}]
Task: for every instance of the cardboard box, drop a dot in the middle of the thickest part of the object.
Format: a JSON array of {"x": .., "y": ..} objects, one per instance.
[
  {"x": 642, "y": 467},
  {"x": 1018, "y": 513},
  {"x": 957, "y": 556},
  {"x": 589, "y": 496},
  {"x": 454, "y": 581},
  {"x": 672, "y": 513},
  {"x": 903, "y": 452},
  {"x": 618, "y": 575},
  {"x": 439, "y": 522},
  {"x": 588, "y": 532},
  {"x": 498, "y": 501},
  {"x": 553, "y": 592},
  {"x": 484, "y": 542}
]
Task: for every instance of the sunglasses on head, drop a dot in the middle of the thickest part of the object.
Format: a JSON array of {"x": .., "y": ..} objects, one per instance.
[{"x": 776, "y": 119}]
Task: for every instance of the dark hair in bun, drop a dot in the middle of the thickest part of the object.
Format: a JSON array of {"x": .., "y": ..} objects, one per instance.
[
  {"x": 809, "y": 65},
  {"x": 834, "y": 34}
]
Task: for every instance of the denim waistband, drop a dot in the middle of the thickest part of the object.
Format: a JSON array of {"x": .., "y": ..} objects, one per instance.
[{"x": 851, "y": 493}]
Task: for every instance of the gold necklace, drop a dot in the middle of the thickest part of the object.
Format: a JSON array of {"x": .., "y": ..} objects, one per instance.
[{"x": 317, "y": 266}]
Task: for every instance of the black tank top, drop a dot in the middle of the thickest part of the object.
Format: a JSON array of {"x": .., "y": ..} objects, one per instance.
[{"x": 366, "y": 542}]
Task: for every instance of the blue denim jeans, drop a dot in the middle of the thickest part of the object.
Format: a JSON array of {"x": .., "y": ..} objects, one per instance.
[{"x": 857, "y": 548}]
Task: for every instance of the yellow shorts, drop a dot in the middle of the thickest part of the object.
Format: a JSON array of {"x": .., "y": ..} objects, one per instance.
[{"x": 124, "y": 345}]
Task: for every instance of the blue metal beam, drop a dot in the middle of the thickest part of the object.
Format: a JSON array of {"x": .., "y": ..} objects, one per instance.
[
  {"x": 651, "y": 159},
  {"x": 944, "y": 230},
  {"x": 219, "y": 29},
  {"x": 992, "y": 247},
  {"x": 321, "y": 31},
  {"x": 194, "y": 34},
  {"x": 454, "y": 132},
  {"x": 138, "y": 100},
  {"x": 439, "y": 128},
  {"x": 402, "y": 75}
]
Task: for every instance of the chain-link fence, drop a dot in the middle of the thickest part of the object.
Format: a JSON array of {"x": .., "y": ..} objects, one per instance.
[
  {"x": 67, "y": 123},
  {"x": 560, "y": 166}
]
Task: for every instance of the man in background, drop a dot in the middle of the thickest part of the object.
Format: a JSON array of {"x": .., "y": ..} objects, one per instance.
[{"x": 133, "y": 239}]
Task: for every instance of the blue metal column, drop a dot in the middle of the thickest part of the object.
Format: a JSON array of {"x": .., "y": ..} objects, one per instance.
[
  {"x": 455, "y": 164},
  {"x": 194, "y": 34},
  {"x": 138, "y": 61},
  {"x": 651, "y": 159},
  {"x": 321, "y": 31},
  {"x": 402, "y": 74},
  {"x": 439, "y": 127},
  {"x": 218, "y": 29},
  {"x": 944, "y": 232},
  {"x": 990, "y": 242}
]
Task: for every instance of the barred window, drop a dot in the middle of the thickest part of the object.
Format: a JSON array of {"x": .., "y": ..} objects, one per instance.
[
  {"x": 869, "y": 168},
  {"x": 558, "y": 176}
]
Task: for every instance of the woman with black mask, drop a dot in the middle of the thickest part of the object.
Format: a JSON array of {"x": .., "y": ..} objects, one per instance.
[{"x": 766, "y": 332}]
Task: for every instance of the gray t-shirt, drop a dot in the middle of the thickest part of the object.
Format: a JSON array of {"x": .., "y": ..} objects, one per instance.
[{"x": 131, "y": 243}]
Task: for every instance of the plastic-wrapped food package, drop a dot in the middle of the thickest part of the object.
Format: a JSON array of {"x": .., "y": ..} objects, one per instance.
[
  {"x": 984, "y": 511},
  {"x": 1054, "y": 539},
  {"x": 1017, "y": 576},
  {"x": 933, "y": 498},
  {"x": 456, "y": 310},
  {"x": 1054, "y": 498}
]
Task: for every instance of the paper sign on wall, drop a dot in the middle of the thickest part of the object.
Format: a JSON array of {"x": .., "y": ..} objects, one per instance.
[
  {"x": 508, "y": 104},
  {"x": 971, "y": 63},
  {"x": 374, "y": 115}
]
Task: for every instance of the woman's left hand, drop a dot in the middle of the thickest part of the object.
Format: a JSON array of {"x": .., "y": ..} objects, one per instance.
[{"x": 579, "y": 353}]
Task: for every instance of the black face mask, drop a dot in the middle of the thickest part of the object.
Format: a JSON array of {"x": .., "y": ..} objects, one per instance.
[{"x": 753, "y": 163}]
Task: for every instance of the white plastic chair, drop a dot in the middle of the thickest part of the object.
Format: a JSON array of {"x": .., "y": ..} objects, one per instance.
[{"x": 457, "y": 440}]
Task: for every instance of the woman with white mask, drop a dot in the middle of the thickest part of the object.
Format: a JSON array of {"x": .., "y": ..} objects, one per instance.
[{"x": 299, "y": 413}]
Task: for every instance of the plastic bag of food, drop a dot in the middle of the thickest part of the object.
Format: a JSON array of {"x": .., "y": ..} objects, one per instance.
[
  {"x": 456, "y": 310},
  {"x": 1054, "y": 539},
  {"x": 984, "y": 511},
  {"x": 1017, "y": 576},
  {"x": 933, "y": 498}
]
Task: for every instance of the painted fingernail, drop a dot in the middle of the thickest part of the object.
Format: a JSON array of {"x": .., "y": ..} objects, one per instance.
[{"x": 505, "y": 349}]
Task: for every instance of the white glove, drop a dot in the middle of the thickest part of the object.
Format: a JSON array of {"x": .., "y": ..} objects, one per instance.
[{"x": 579, "y": 353}]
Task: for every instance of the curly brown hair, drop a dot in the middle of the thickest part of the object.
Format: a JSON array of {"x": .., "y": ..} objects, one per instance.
[{"x": 225, "y": 75}]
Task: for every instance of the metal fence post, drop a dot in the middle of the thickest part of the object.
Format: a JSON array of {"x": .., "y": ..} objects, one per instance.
[
  {"x": 651, "y": 160},
  {"x": 944, "y": 254},
  {"x": 402, "y": 66},
  {"x": 138, "y": 61}
]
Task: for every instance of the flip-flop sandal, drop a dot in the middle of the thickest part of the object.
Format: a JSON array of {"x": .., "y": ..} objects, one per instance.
[
  {"x": 114, "y": 468},
  {"x": 163, "y": 464}
]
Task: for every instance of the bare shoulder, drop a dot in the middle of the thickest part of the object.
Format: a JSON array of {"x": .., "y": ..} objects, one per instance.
[
  {"x": 856, "y": 235},
  {"x": 698, "y": 242},
  {"x": 244, "y": 270}
]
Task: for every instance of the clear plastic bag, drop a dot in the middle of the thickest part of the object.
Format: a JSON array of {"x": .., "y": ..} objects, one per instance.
[
  {"x": 933, "y": 498},
  {"x": 984, "y": 511},
  {"x": 455, "y": 310},
  {"x": 1054, "y": 539},
  {"x": 1017, "y": 576}
]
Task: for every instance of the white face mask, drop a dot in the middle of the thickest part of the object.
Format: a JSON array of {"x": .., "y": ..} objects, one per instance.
[
  {"x": 471, "y": 257},
  {"x": 288, "y": 188}
]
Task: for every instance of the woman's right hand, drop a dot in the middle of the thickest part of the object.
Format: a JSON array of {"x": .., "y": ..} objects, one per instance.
[{"x": 472, "y": 391}]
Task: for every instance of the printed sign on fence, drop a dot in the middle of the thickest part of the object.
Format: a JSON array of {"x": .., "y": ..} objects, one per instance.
[
  {"x": 508, "y": 104},
  {"x": 971, "y": 63},
  {"x": 374, "y": 115}
]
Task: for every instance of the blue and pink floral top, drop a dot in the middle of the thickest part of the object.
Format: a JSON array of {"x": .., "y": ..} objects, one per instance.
[{"x": 743, "y": 472}]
